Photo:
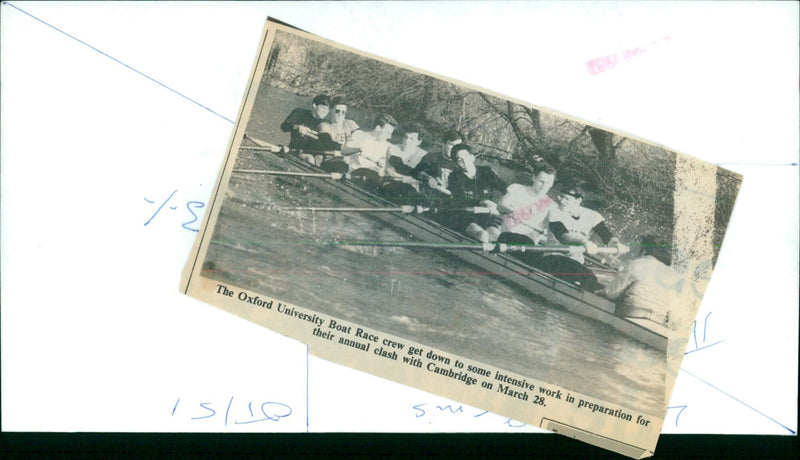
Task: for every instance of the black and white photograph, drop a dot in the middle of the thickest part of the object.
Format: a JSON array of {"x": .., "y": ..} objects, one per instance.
[{"x": 367, "y": 199}]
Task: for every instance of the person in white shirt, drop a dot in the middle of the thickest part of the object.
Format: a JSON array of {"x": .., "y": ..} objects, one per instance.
[{"x": 368, "y": 151}]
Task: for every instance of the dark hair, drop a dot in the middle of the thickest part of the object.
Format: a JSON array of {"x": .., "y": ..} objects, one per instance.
[
  {"x": 540, "y": 166},
  {"x": 322, "y": 99},
  {"x": 415, "y": 127},
  {"x": 453, "y": 135},
  {"x": 457, "y": 148},
  {"x": 385, "y": 119},
  {"x": 652, "y": 246},
  {"x": 338, "y": 101}
]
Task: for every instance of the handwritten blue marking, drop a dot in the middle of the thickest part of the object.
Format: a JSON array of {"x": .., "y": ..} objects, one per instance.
[
  {"x": 697, "y": 346},
  {"x": 118, "y": 61},
  {"x": 176, "y": 406},
  {"x": 159, "y": 208},
  {"x": 274, "y": 417},
  {"x": 189, "y": 207},
  {"x": 508, "y": 422},
  {"x": 703, "y": 347},
  {"x": 228, "y": 410},
  {"x": 149, "y": 201},
  {"x": 482, "y": 413},
  {"x": 419, "y": 408},
  {"x": 450, "y": 408},
  {"x": 682, "y": 408},
  {"x": 203, "y": 405},
  {"x": 741, "y": 402}
]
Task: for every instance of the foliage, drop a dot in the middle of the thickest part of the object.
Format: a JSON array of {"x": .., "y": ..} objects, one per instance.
[{"x": 630, "y": 183}]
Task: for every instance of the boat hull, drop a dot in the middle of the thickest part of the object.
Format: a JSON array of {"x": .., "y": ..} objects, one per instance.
[{"x": 510, "y": 269}]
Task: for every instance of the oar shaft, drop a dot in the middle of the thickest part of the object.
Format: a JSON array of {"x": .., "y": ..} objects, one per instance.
[
  {"x": 488, "y": 247},
  {"x": 403, "y": 209},
  {"x": 288, "y": 173}
]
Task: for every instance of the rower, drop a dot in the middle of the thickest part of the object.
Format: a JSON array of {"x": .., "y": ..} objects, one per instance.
[
  {"x": 337, "y": 130},
  {"x": 573, "y": 224},
  {"x": 525, "y": 211},
  {"x": 648, "y": 286},
  {"x": 471, "y": 186},
  {"x": 398, "y": 184},
  {"x": 434, "y": 169},
  {"x": 302, "y": 124},
  {"x": 367, "y": 152}
]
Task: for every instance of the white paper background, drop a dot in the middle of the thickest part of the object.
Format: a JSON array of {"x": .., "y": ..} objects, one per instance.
[{"x": 95, "y": 335}]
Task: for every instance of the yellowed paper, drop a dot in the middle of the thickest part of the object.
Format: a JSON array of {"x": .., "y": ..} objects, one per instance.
[{"x": 376, "y": 280}]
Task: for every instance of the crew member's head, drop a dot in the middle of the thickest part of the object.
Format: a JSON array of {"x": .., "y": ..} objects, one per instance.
[
  {"x": 338, "y": 110},
  {"x": 384, "y": 126},
  {"x": 543, "y": 177},
  {"x": 462, "y": 156},
  {"x": 412, "y": 138},
  {"x": 320, "y": 106},
  {"x": 451, "y": 138},
  {"x": 570, "y": 197}
]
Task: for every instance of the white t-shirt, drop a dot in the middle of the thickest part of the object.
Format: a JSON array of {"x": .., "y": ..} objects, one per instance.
[
  {"x": 373, "y": 153},
  {"x": 530, "y": 211}
]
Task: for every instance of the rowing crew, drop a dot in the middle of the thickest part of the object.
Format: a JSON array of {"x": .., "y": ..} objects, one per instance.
[{"x": 449, "y": 179}]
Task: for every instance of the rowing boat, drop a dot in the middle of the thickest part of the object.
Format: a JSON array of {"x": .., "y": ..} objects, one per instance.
[{"x": 538, "y": 283}]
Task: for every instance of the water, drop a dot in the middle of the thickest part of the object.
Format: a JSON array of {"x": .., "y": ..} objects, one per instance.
[{"x": 424, "y": 295}]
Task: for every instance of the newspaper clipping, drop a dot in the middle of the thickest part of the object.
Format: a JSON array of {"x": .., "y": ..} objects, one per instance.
[{"x": 459, "y": 241}]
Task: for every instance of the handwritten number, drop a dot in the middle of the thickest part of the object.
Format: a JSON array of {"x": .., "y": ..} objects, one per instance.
[
  {"x": 419, "y": 408},
  {"x": 682, "y": 408},
  {"x": 203, "y": 405},
  {"x": 272, "y": 415},
  {"x": 198, "y": 205},
  {"x": 159, "y": 208}
]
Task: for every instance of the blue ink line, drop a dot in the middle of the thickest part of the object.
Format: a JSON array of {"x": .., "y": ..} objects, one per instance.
[
  {"x": 683, "y": 408},
  {"x": 151, "y": 202},
  {"x": 705, "y": 326},
  {"x": 176, "y": 406},
  {"x": 307, "y": 352},
  {"x": 482, "y": 413},
  {"x": 228, "y": 410},
  {"x": 119, "y": 62},
  {"x": 694, "y": 332},
  {"x": 703, "y": 347},
  {"x": 741, "y": 402},
  {"x": 159, "y": 208}
]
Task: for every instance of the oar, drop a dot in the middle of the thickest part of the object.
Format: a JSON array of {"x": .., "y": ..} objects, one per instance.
[
  {"x": 488, "y": 247},
  {"x": 333, "y": 175},
  {"x": 264, "y": 146},
  {"x": 405, "y": 209}
]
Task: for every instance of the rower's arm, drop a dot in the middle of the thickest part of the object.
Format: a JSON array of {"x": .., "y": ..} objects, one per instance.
[
  {"x": 290, "y": 121},
  {"x": 601, "y": 230}
]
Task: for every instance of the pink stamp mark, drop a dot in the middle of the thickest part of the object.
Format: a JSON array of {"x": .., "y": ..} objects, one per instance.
[{"x": 601, "y": 64}]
